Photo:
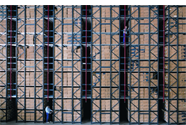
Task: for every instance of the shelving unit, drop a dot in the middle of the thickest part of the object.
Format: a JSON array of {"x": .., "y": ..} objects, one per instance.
[{"x": 103, "y": 64}]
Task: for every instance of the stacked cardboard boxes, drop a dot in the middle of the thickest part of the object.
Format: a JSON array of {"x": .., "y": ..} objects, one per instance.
[
  {"x": 3, "y": 74},
  {"x": 27, "y": 54},
  {"x": 144, "y": 78},
  {"x": 39, "y": 62},
  {"x": 4, "y": 112},
  {"x": 103, "y": 53},
  {"x": 173, "y": 79},
  {"x": 67, "y": 58}
]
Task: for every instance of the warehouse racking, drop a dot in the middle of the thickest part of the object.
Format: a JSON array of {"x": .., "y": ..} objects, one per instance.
[
  {"x": 143, "y": 64},
  {"x": 105, "y": 61},
  {"x": 101, "y": 63},
  {"x": 175, "y": 88}
]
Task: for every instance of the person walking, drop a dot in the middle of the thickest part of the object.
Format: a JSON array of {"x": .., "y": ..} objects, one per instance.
[{"x": 48, "y": 111}]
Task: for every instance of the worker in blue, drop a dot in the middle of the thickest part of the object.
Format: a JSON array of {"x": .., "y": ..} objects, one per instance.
[
  {"x": 124, "y": 32},
  {"x": 48, "y": 111}
]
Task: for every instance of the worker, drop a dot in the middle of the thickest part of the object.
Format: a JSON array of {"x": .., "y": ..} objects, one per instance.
[
  {"x": 48, "y": 111},
  {"x": 124, "y": 32}
]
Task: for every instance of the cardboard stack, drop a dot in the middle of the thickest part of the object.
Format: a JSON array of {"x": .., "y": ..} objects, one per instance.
[
  {"x": 100, "y": 53},
  {"x": 28, "y": 57},
  {"x": 3, "y": 31},
  {"x": 173, "y": 117},
  {"x": 67, "y": 59},
  {"x": 144, "y": 79},
  {"x": 3, "y": 74},
  {"x": 172, "y": 93},
  {"x": 2, "y": 114},
  {"x": 173, "y": 79}
]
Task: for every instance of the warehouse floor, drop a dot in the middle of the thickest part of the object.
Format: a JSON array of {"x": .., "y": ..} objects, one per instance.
[{"x": 32, "y": 123}]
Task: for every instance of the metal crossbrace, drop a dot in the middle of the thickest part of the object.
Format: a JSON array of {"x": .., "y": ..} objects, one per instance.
[
  {"x": 152, "y": 54},
  {"x": 97, "y": 73},
  {"x": 59, "y": 71},
  {"x": 113, "y": 76},
  {"x": 21, "y": 105},
  {"x": 174, "y": 73},
  {"x": 38, "y": 59},
  {"x": 94, "y": 113},
  {"x": 135, "y": 56},
  {"x": 75, "y": 35}
]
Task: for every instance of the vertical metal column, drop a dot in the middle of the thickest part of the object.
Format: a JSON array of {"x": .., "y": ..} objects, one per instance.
[
  {"x": 62, "y": 63},
  {"x": 177, "y": 66},
  {"x": 25, "y": 104},
  {"x": 72, "y": 64},
  {"x": 158, "y": 15},
  {"x": 81, "y": 67},
  {"x": 6, "y": 65},
  {"x": 100, "y": 75},
  {"x": 149, "y": 102},
  {"x": 34, "y": 63},
  {"x": 43, "y": 71},
  {"x": 130, "y": 41},
  {"x": 138, "y": 108},
  {"x": 119, "y": 62},
  {"x": 110, "y": 68},
  {"x": 168, "y": 16}
]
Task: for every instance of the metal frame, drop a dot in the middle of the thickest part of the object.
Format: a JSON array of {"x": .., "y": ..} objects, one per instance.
[
  {"x": 22, "y": 70},
  {"x": 38, "y": 58},
  {"x": 100, "y": 67},
  {"x": 74, "y": 47},
  {"x": 60, "y": 83},
  {"x": 132, "y": 71},
  {"x": 3, "y": 86},
  {"x": 174, "y": 64},
  {"x": 39, "y": 100},
  {"x": 73, "y": 37}
]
